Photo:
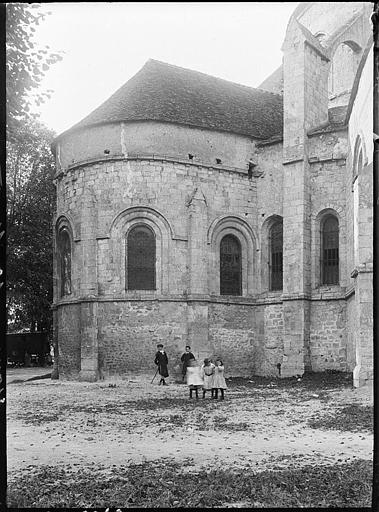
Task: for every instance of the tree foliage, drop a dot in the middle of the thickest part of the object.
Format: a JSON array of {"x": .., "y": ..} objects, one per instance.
[
  {"x": 30, "y": 171},
  {"x": 26, "y": 64},
  {"x": 30, "y": 207}
]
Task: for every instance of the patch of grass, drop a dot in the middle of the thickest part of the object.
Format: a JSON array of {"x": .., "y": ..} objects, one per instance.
[
  {"x": 41, "y": 417},
  {"x": 176, "y": 419},
  {"x": 232, "y": 427},
  {"x": 220, "y": 419},
  {"x": 311, "y": 381},
  {"x": 164, "y": 484},
  {"x": 350, "y": 418}
]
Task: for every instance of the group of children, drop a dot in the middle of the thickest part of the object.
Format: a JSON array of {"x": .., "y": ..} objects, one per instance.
[{"x": 208, "y": 377}]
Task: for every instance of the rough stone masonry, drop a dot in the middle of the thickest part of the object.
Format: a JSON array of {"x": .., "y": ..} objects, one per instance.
[{"x": 226, "y": 186}]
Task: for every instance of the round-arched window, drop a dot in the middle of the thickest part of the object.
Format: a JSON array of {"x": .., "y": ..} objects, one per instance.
[
  {"x": 276, "y": 256},
  {"x": 230, "y": 266},
  {"x": 64, "y": 246},
  {"x": 141, "y": 256},
  {"x": 330, "y": 250}
]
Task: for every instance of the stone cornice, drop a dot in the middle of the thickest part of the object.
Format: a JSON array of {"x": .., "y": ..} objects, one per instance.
[
  {"x": 210, "y": 299},
  {"x": 158, "y": 158},
  {"x": 317, "y": 160}
]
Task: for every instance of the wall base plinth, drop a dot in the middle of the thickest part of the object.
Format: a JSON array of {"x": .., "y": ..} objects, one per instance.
[
  {"x": 292, "y": 369},
  {"x": 361, "y": 377},
  {"x": 88, "y": 375},
  {"x": 55, "y": 374}
]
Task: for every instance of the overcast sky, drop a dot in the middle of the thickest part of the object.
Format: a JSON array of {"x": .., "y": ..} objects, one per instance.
[{"x": 106, "y": 43}]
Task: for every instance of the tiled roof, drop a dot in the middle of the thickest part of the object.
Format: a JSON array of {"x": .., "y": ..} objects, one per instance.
[
  {"x": 336, "y": 121},
  {"x": 164, "y": 92},
  {"x": 274, "y": 82}
]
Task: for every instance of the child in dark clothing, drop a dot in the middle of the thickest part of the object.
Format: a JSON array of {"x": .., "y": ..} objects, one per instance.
[{"x": 161, "y": 360}]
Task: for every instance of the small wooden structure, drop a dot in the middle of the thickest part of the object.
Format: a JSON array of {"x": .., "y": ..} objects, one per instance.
[{"x": 28, "y": 349}]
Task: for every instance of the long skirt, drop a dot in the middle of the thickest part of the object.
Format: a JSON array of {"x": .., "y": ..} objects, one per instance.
[
  {"x": 163, "y": 371},
  {"x": 208, "y": 381}
]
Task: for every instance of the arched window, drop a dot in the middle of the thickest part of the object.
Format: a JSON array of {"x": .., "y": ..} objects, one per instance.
[
  {"x": 342, "y": 72},
  {"x": 357, "y": 176},
  {"x": 230, "y": 266},
  {"x": 276, "y": 256},
  {"x": 141, "y": 259},
  {"x": 64, "y": 247},
  {"x": 329, "y": 251}
]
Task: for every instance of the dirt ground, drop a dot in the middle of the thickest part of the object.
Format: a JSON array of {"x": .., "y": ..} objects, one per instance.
[{"x": 260, "y": 425}]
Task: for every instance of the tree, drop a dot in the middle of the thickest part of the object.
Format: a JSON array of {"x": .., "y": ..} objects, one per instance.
[
  {"x": 30, "y": 207},
  {"x": 30, "y": 171},
  {"x": 26, "y": 64}
]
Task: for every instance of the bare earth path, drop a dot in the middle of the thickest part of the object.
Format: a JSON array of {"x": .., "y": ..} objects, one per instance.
[{"x": 260, "y": 425}]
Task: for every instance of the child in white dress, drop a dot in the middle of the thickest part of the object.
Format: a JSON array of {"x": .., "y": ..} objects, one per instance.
[
  {"x": 219, "y": 380},
  {"x": 194, "y": 379},
  {"x": 207, "y": 373}
]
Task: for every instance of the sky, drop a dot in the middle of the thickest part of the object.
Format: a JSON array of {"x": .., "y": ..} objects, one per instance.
[{"x": 106, "y": 43}]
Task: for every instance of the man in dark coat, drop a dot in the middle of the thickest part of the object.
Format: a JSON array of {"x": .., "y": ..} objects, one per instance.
[
  {"x": 161, "y": 360},
  {"x": 185, "y": 359}
]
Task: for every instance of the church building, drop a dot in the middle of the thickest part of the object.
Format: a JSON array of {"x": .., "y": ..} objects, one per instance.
[{"x": 196, "y": 211}]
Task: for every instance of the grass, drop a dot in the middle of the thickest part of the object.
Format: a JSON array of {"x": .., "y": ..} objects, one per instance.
[
  {"x": 42, "y": 414},
  {"x": 351, "y": 418},
  {"x": 166, "y": 484},
  {"x": 163, "y": 484},
  {"x": 310, "y": 381}
]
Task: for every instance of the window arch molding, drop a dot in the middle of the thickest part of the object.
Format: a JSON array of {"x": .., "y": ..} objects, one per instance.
[
  {"x": 265, "y": 252},
  {"x": 239, "y": 228},
  {"x": 361, "y": 250},
  {"x": 318, "y": 223},
  {"x": 359, "y": 157},
  {"x": 120, "y": 228},
  {"x": 63, "y": 227},
  {"x": 65, "y": 221},
  {"x": 345, "y": 54}
]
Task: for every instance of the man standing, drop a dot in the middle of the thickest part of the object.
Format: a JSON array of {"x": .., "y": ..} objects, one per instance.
[
  {"x": 185, "y": 359},
  {"x": 161, "y": 360}
]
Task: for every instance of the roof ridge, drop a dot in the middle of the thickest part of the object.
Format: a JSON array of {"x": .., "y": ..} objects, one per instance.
[
  {"x": 212, "y": 76},
  {"x": 169, "y": 93}
]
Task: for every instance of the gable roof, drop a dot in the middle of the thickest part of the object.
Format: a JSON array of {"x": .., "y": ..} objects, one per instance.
[
  {"x": 163, "y": 92},
  {"x": 274, "y": 82}
]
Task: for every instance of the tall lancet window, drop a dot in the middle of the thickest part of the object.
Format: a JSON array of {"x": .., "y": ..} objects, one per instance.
[
  {"x": 64, "y": 245},
  {"x": 230, "y": 266},
  {"x": 276, "y": 256},
  {"x": 141, "y": 256},
  {"x": 329, "y": 250}
]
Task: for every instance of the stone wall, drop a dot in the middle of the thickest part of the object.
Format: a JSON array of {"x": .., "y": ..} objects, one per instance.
[
  {"x": 328, "y": 336},
  {"x": 193, "y": 186},
  {"x": 69, "y": 333},
  {"x": 237, "y": 334},
  {"x": 351, "y": 332},
  {"x": 155, "y": 138},
  {"x": 360, "y": 234},
  {"x": 248, "y": 338},
  {"x": 327, "y": 156},
  {"x": 130, "y": 331}
]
